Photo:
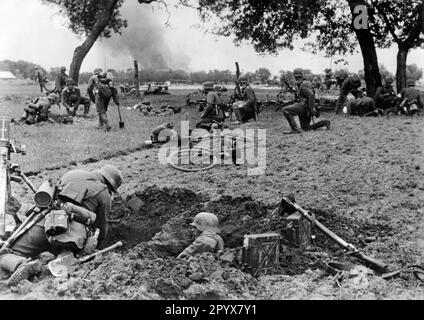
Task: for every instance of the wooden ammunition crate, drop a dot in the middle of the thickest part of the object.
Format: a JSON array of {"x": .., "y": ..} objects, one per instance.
[
  {"x": 260, "y": 253},
  {"x": 297, "y": 233}
]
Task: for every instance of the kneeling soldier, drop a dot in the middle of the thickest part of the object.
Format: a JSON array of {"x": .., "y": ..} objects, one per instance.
[
  {"x": 305, "y": 108},
  {"x": 72, "y": 99}
]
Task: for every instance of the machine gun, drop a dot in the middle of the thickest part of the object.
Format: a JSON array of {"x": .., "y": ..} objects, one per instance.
[
  {"x": 7, "y": 147},
  {"x": 288, "y": 206}
]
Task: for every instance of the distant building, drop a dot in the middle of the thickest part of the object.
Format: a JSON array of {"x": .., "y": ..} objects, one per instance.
[{"x": 7, "y": 75}]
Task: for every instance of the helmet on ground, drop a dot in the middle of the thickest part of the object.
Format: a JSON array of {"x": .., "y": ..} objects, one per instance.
[
  {"x": 70, "y": 82},
  {"x": 112, "y": 175},
  {"x": 53, "y": 97},
  {"x": 410, "y": 83},
  {"x": 355, "y": 80},
  {"x": 98, "y": 71},
  {"x": 389, "y": 79},
  {"x": 243, "y": 79},
  {"x": 62, "y": 68},
  {"x": 205, "y": 221},
  {"x": 298, "y": 73}
]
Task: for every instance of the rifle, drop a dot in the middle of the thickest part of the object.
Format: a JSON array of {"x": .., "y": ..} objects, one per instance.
[
  {"x": 372, "y": 263},
  {"x": 238, "y": 89}
]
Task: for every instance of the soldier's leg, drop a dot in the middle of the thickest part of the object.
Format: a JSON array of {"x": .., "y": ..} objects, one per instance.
[
  {"x": 100, "y": 109},
  {"x": 320, "y": 124},
  {"x": 86, "y": 102},
  {"x": 289, "y": 112}
]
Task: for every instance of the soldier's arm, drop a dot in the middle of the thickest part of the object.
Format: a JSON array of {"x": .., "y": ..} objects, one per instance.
[
  {"x": 378, "y": 93},
  {"x": 310, "y": 96},
  {"x": 78, "y": 101},
  {"x": 200, "y": 245},
  {"x": 115, "y": 96},
  {"x": 79, "y": 213}
]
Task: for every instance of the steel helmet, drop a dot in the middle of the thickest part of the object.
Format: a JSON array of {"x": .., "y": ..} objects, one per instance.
[
  {"x": 112, "y": 175},
  {"x": 298, "y": 73},
  {"x": 53, "y": 97},
  {"x": 62, "y": 68},
  {"x": 205, "y": 221},
  {"x": 98, "y": 71},
  {"x": 389, "y": 79},
  {"x": 103, "y": 75},
  {"x": 356, "y": 81},
  {"x": 70, "y": 82},
  {"x": 410, "y": 83},
  {"x": 243, "y": 79}
]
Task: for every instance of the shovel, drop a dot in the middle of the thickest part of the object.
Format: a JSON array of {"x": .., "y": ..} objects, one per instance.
[
  {"x": 65, "y": 266},
  {"x": 121, "y": 123}
]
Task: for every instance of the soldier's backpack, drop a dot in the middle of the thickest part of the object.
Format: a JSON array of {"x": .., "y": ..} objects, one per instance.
[{"x": 105, "y": 90}]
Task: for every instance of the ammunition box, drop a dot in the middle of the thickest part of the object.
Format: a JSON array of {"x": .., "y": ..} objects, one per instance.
[
  {"x": 260, "y": 253},
  {"x": 297, "y": 233}
]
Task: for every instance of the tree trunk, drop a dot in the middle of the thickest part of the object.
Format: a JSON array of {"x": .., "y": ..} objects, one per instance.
[
  {"x": 369, "y": 53},
  {"x": 137, "y": 79},
  {"x": 82, "y": 50},
  {"x": 401, "y": 68}
]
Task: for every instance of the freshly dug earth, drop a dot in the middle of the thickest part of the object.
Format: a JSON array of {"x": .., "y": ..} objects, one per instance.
[{"x": 363, "y": 180}]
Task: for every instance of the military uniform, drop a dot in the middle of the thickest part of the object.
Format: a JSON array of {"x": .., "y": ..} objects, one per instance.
[
  {"x": 385, "y": 97},
  {"x": 214, "y": 109},
  {"x": 303, "y": 109},
  {"x": 61, "y": 80},
  {"x": 92, "y": 82},
  {"x": 37, "y": 111},
  {"x": 71, "y": 98},
  {"x": 412, "y": 95},
  {"x": 42, "y": 80},
  {"x": 246, "y": 111},
  {"x": 103, "y": 91},
  {"x": 364, "y": 107},
  {"x": 83, "y": 188},
  {"x": 208, "y": 241},
  {"x": 350, "y": 85}
]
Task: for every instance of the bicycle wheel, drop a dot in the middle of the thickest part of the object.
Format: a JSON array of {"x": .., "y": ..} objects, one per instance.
[{"x": 192, "y": 160}]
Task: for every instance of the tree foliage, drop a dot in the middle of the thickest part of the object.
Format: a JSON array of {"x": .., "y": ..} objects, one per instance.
[
  {"x": 263, "y": 75},
  {"x": 414, "y": 72}
]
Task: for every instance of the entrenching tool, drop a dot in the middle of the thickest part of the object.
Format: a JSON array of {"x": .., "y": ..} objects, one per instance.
[
  {"x": 121, "y": 123},
  {"x": 64, "y": 266}
]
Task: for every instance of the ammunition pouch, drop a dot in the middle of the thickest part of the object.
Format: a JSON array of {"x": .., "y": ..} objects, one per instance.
[{"x": 56, "y": 223}]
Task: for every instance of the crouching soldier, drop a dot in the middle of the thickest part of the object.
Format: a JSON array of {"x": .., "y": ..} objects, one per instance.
[
  {"x": 305, "y": 108},
  {"x": 72, "y": 99},
  {"x": 85, "y": 199},
  {"x": 38, "y": 110},
  {"x": 349, "y": 85},
  {"x": 247, "y": 109},
  {"x": 208, "y": 240},
  {"x": 215, "y": 109},
  {"x": 157, "y": 130},
  {"x": 412, "y": 100}
]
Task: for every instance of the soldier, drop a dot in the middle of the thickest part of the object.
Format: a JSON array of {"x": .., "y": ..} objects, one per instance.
[
  {"x": 38, "y": 110},
  {"x": 412, "y": 99},
  {"x": 317, "y": 84},
  {"x": 350, "y": 85},
  {"x": 208, "y": 240},
  {"x": 61, "y": 80},
  {"x": 92, "y": 82},
  {"x": 72, "y": 99},
  {"x": 215, "y": 108},
  {"x": 304, "y": 108},
  {"x": 42, "y": 80},
  {"x": 363, "y": 107},
  {"x": 86, "y": 199},
  {"x": 248, "y": 109},
  {"x": 157, "y": 130},
  {"x": 103, "y": 90},
  {"x": 385, "y": 96}
]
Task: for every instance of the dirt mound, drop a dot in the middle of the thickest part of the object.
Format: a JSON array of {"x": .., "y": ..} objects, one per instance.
[{"x": 143, "y": 214}]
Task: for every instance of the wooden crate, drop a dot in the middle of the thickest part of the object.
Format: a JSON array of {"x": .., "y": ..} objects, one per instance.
[
  {"x": 260, "y": 253},
  {"x": 297, "y": 233}
]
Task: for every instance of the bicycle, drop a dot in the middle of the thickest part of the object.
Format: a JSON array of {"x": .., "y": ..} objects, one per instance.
[{"x": 197, "y": 157}]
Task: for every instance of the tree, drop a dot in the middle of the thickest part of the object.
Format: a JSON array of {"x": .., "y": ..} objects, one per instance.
[
  {"x": 413, "y": 72},
  {"x": 94, "y": 19},
  {"x": 263, "y": 74},
  {"x": 272, "y": 25},
  {"x": 403, "y": 23}
]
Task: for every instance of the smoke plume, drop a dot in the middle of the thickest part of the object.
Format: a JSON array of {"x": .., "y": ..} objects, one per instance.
[{"x": 144, "y": 39}]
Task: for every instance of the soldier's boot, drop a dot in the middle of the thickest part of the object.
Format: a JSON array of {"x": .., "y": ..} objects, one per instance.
[
  {"x": 292, "y": 123},
  {"x": 320, "y": 124},
  {"x": 25, "y": 271}
]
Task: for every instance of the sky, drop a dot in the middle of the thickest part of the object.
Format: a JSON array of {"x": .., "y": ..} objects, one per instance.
[{"x": 32, "y": 31}]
